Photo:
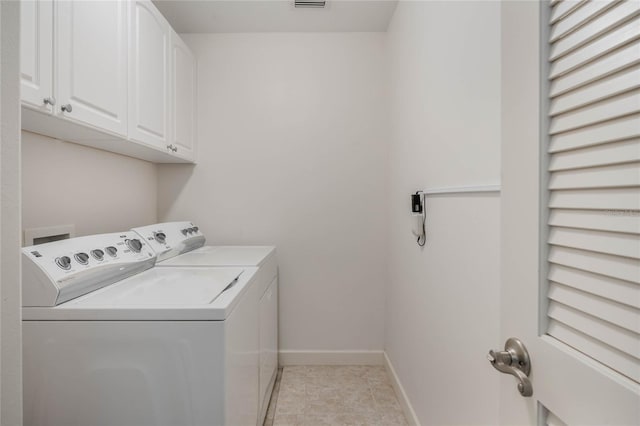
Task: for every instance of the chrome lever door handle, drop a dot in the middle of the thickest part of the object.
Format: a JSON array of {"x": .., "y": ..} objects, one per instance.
[{"x": 514, "y": 360}]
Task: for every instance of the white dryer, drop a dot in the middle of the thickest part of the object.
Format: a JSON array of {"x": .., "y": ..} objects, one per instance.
[
  {"x": 182, "y": 244},
  {"x": 110, "y": 340}
]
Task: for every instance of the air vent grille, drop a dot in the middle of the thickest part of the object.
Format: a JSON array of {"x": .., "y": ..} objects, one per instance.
[{"x": 317, "y": 4}]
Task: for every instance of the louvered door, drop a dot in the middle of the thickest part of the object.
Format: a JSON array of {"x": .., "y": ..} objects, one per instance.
[
  {"x": 594, "y": 182},
  {"x": 571, "y": 209}
]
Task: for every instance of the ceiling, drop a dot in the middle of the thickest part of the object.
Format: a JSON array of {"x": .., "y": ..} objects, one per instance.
[{"x": 238, "y": 16}]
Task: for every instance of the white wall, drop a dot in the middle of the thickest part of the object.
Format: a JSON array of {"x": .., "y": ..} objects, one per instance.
[
  {"x": 443, "y": 300},
  {"x": 10, "y": 318},
  {"x": 292, "y": 152},
  {"x": 97, "y": 191}
]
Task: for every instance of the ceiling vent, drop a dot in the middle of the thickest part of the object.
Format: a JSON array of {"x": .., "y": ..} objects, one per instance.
[{"x": 310, "y": 4}]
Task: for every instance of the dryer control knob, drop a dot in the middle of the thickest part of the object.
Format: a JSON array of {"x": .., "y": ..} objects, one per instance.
[
  {"x": 134, "y": 244},
  {"x": 112, "y": 251},
  {"x": 97, "y": 254},
  {"x": 160, "y": 237},
  {"x": 82, "y": 258},
  {"x": 64, "y": 262}
]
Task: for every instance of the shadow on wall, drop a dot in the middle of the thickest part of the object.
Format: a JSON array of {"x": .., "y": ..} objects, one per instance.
[{"x": 172, "y": 179}]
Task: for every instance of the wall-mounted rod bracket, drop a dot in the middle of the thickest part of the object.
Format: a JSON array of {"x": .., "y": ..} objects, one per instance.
[{"x": 419, "y": 204}]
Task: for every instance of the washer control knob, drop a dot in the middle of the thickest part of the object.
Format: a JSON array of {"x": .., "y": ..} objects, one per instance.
[
  {"x": 184, "y": 232},
  {"x": 112, "y": 251},
  {"x": 82, "y": 258},
  {"x": 97, "y": 254},
  {"x": 134, "y": 244},
  {"x": 195, "y": 229},
  {"x": 64, "y": 262},
  {"x": 160, "y": 237}
]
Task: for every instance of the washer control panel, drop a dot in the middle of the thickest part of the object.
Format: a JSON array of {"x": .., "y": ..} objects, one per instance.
[
  {"x": 56, "y": 272},
  {"x": 170, "y": 239}
]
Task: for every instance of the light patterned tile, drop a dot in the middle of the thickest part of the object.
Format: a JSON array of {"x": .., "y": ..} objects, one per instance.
[
  {"x": 292, "y": 390},
  {"x": 337, "y": 376},
  {"x": 337, "y": 395},
  {"x": 290, "y": 405},
  {"x": 376, "y": 375},
  {"x": 296, "y": 369},
  {"x": 320, "y": 419},
  {"x": 323, "y": 402},
  {"x": 315, "y": 391},
  {"x": 288, "y": 420},
  {"x": 386, "y": 398},
  {"x": 294, "y": 376},
  {"x": 320, "y": 370},
  {"x": 322, "y": 380},
  {"x": 339, "y": 419},
  {"x": 319, "y": 391},
  {"x": 392, "y": 419},
  {"x": 351, "y": 381},
  {"x": 359, "y": 402},
  {"x": 354, "y": 419},
  {"x": 339, "y": 400}
]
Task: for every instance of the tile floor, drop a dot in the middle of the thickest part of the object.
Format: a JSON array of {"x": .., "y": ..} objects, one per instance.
[{"x": 334, "y": 395}]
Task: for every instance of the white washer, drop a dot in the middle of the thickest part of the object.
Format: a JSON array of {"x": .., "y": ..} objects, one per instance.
[
  {"x": 107, "y": 344},
  {"x": 181, "y": 244}
]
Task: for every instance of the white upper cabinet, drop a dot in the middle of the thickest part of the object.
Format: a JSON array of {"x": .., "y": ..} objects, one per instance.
[
  {"x": 183, "y": 92},
  {"x": 36, "y": 54},
  {"x": 91, "y": 52},
  {"x": 149, "y": 76},
  {"x": 111, "y": 74}
]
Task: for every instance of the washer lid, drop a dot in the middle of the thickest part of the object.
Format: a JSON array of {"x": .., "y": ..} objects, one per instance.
[
  {"x": 222, "y": 256},
  {"x": 162, "y": 287},
  {"x": 158, "y": 294}
]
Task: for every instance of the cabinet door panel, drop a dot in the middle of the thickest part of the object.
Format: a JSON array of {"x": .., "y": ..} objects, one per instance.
[
  {"x": 36, "y": 53},
  {"x": 184, "y": 98},
  {"x": 149, "y": 77},
  {"x": 92, "y": 63}
]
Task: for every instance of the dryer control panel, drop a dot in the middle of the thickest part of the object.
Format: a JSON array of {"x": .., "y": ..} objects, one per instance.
[
  {"x": 59, "y": 271},
  {"x": 170, "y": 239}
]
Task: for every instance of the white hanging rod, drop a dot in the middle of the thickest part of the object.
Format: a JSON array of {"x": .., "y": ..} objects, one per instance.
[{"x": 461, "y": 189}]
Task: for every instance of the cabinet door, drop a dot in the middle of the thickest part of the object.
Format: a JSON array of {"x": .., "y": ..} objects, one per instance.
[
  {"x": 36, "y": 54},
  {"x": 91, "y": 59},
  {"x": 149, "y": 78},
  {"x": 183, "y": 90},
  {"x": 268, "y": 342}
]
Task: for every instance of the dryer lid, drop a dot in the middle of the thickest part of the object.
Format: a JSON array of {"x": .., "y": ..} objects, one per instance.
[{"x": 223, "y": 256}]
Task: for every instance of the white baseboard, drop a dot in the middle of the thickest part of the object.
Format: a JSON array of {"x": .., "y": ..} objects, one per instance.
[
  {"x": 331, "y": 358},
  {"x": 402, "y": 395}
]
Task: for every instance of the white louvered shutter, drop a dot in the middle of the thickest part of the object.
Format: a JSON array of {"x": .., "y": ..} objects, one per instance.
[{"x": 594, "y": 181}]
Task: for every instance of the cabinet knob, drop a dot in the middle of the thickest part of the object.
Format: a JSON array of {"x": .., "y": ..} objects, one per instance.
[
  {"x": 49, "y": 101},
  {"x": 66, "y": 108}
]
